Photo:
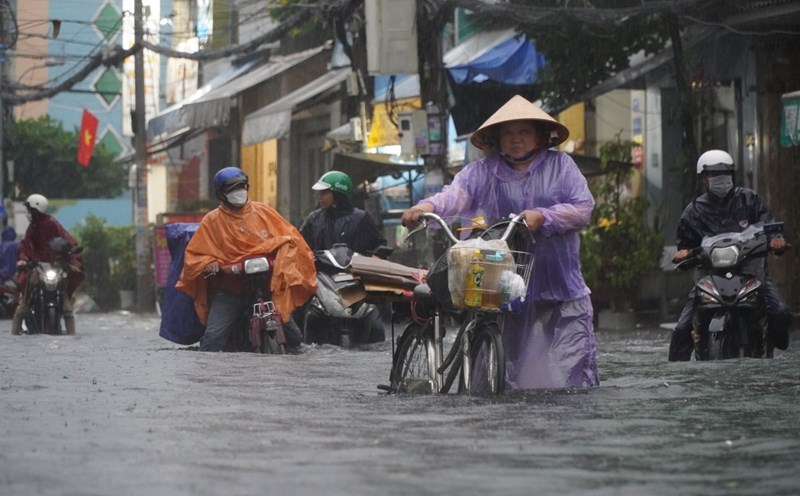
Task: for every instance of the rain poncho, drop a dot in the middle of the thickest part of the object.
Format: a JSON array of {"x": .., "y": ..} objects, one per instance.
[
  {"x": 551, "y": 344},
  {"x": 8, "y": 253},
  {"x": 227, "y": 236}
]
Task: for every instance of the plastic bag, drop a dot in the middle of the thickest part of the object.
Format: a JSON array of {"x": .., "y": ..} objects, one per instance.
[{"x": 474, "y": 270}]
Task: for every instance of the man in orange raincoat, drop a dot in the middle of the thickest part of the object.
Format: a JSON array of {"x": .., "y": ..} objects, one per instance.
[{"x": 239, "y": 228}]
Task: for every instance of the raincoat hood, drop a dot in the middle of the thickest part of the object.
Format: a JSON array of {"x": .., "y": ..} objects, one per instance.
[
  {"x": 227, "y": 236},
  {"x": 519, "y": 109}
]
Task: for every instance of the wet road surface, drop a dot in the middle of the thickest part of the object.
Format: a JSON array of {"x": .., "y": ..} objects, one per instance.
[{"x": 117, "y": 410}]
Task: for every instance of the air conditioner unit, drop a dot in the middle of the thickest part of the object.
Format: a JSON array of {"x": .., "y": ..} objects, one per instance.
[
  {"x": 356, "y": 130},
  {"x": 391, "y": 36}
]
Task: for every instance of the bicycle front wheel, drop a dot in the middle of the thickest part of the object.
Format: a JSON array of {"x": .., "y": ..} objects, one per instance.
[
  {"x": 414, "y": 368},
  {"x": 487, "y": 370}
]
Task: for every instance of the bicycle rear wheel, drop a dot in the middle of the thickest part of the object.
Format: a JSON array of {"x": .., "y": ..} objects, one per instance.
[
  {"x": 487, "y": 371},
  {"x": 413, "y": 367}
]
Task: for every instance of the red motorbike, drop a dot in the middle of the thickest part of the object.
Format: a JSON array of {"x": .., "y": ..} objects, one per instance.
[{"x": 261, "y": 329}]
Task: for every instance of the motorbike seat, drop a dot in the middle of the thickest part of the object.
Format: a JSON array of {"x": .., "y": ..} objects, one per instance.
[{"x": 424, "y": 294}]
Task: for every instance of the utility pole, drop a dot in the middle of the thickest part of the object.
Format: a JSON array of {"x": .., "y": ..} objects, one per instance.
[
  {"x": 144, "y": 272},
  {"x": 432, "y": 81}
]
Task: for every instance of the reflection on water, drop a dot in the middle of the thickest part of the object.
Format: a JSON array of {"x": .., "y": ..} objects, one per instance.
[{"x": 315, "y": 423}]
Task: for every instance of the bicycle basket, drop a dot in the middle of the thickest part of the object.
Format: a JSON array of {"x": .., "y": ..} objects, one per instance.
[{"x": 485, "y": 274}]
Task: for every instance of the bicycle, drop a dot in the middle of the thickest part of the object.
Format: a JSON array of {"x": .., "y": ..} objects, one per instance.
[{"x": 477, "y": 356}]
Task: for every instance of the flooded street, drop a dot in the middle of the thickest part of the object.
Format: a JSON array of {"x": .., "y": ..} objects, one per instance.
[{"x": 119, "y": 410}]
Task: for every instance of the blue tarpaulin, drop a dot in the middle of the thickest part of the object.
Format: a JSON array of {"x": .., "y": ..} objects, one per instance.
[
  {"x": 179, "y": 321},
  {"x": 515, "y": 61}
]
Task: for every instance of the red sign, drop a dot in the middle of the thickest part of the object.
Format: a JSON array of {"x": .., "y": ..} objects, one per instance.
[
  {"x": 161, "y": 256},
  {"x": 638, "y": 156}
]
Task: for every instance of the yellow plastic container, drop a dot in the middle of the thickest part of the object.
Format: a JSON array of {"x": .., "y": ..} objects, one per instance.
[{"x": 472, "y": 293}]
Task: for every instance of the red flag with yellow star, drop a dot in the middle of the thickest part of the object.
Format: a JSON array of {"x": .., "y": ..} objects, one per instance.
[{"x": 86, "y": 138}]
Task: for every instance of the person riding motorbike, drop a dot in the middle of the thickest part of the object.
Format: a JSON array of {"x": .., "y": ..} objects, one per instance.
[
  {"x": 238, "y": 228},
  {"x": 724, "y": 208},
  {"x": 337, "y": 221},
  {"x": 35, "y": 247}
]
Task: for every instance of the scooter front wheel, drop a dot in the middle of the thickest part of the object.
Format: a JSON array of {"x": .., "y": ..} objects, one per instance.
[{"x": 270, "y": 344}]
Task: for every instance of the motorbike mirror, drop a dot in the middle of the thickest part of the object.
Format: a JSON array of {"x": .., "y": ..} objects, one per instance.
[
  {"x": 383, "y": 251},
  {"x": 773, "y": 228},
  {"x": 60, "y": 246}
]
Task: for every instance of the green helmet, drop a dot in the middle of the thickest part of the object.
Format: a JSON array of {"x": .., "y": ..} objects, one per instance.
[{"x": 334, "y": 181}]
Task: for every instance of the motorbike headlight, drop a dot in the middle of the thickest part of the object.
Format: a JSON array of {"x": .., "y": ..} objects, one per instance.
[
  {"x": 256, "y": 265},
  {"x": 724, "y": 257},
  {"x": 50, "y": 276}
]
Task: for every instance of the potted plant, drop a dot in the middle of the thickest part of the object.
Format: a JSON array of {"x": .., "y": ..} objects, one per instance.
[
  {"x": 619, "y": 246},
  {"x": 122, "y": 258}
]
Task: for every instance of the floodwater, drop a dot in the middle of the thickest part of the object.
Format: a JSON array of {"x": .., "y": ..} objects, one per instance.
[{"x": 118, "y": 410}]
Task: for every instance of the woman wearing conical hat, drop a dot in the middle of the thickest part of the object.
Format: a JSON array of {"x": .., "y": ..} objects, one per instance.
[{"x": 551, "y": 343}]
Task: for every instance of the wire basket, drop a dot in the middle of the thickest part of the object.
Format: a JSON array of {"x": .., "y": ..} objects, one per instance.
[{"x": 486, "y": 278}]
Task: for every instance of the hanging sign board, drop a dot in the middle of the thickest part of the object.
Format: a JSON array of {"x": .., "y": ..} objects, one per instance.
[{"x": 790, "y": 119}]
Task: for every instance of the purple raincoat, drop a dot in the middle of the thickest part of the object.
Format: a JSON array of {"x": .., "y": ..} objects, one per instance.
[{"x": 551, "y": 343}]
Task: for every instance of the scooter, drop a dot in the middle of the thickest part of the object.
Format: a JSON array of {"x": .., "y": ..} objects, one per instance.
[
  {"x": 261, "y": 329},
  {"x": 47, "y": 288},
  {"x": 730, "y": 318},
  {"x": 338, "y": 312}
]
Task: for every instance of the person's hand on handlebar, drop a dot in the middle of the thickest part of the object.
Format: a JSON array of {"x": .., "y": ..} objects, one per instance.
[
  {"x": 777, "y": 244},
  {"x": 211, "y": 269},
  {"x": 411, "y": 217},
  {"x": 534, "y": 219},
  {"x": 680, "y": 256}
]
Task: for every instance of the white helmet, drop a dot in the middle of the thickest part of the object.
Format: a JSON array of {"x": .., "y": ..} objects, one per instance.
[
  {"x": 37, "y": 202},
  {"x": 715, "y": 161}
]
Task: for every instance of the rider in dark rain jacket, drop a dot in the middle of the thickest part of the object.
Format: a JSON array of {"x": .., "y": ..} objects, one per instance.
[
  {"x": 724, "y": 208},
  {"x": 337, "y": 220}
]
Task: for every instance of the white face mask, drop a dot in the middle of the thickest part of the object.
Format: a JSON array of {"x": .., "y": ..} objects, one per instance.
[
  {"x": 719, "y": 186},
  {"x": 237, "y": 197}
]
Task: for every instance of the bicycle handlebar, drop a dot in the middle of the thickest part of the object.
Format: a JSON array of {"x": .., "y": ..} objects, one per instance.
[{"x": 515, "y": 219}]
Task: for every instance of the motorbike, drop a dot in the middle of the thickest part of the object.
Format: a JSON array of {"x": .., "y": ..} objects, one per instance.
[
  {"x": 260, "y": 328},
  {"x": 338, "y": 312},
  {"x": 47, "y": 288},
  {"x": 730, "y": 318}
]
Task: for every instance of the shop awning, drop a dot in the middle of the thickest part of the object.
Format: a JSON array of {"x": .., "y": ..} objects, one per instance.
[
  {"x": 509, "y": 59},
  {"x": 476, "y": 45},
  {"x": 370, "y": 166},
  {"x": 274, "y": 120},
  {"x": 210, "y": 105},
  {"x": 170, "y": 121}
]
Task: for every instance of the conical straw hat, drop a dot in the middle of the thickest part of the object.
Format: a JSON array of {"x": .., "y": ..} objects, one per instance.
[{"x": 516, "y": 109}]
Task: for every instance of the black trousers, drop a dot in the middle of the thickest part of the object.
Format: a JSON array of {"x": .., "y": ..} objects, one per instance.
[{"x": 779, "y": 319}]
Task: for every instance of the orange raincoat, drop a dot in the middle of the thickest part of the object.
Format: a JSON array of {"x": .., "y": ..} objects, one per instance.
[{"x": 227, "y": 236}]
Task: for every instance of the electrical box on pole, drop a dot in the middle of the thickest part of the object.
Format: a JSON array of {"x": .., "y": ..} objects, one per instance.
[
  {"x": 413, "y": 130},
  {"x": 391, "y": 36}
]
